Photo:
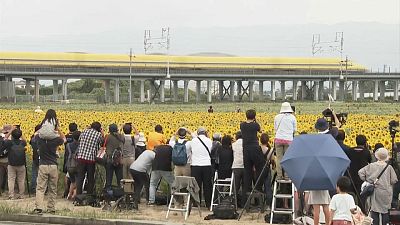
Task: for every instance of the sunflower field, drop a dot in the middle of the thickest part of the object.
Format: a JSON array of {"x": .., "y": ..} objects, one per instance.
[{"x": 375, "y": 127}]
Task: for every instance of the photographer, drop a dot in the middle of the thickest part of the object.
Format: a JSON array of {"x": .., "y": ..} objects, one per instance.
[
  {"x": 15, "y": 151},
  {"x": 323, "y": 127},
  {"x": 285, "y": 125},
  {"x": 252, "y": 155}
]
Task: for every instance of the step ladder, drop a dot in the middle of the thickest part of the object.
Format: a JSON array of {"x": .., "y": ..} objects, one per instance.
[
  {"x": 222, "y": 188},
  {"x": 288, "y": 197}
]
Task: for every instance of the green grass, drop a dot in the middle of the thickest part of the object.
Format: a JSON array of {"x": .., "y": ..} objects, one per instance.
[{"x": 301, "y": 107}]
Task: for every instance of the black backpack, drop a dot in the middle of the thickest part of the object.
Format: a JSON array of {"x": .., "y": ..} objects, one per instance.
[
  {"x": 16, "y": 155},
  {"x": 226, "y": 209}
]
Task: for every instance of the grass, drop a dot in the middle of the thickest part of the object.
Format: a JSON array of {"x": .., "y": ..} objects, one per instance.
[{"x": 377, "y": 108}]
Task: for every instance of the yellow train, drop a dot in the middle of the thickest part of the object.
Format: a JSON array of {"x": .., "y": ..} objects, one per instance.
[{"x": 77, "y": 59}]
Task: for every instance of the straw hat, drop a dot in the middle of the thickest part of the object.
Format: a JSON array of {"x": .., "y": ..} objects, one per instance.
[{"x": 286, "y": 108}]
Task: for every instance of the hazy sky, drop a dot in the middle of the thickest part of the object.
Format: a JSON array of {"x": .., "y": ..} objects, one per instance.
[{"x": 58, "y": 17}]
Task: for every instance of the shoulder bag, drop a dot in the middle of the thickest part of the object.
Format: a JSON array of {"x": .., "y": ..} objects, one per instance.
[
  {"x": 208, "y": 150},
  {"x": 369, "y": 188}
]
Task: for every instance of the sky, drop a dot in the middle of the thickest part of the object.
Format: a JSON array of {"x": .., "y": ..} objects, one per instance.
[{"x": 52, "y": 17}]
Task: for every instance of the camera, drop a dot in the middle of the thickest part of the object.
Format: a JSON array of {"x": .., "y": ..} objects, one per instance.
[
  {"x": 393, "y": 124},
  {"x": 328, "y": 114}
]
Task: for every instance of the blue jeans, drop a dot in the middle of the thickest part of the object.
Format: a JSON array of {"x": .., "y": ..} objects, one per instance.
[
  {"x": 35, "y": 170},
  {"x": 155, "y": 179}
]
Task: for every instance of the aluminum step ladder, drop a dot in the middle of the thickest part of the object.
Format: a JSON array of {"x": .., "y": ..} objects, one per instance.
[{"x": 288, "y": 211}]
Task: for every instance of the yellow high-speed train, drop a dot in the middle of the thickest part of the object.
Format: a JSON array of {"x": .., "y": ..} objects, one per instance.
[{"x": 77, "y": 59}]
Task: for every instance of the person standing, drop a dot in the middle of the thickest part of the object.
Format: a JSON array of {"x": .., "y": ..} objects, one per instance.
[
  {"x": 269, "y": 157},
  {"x": 15, "y": 151},
  {"x": 156, "y": 138},
  {"x": 72, "y": 127},
  {"x": 128, "y": 150},
  {"x": 238, "y": 167},
  {"x": 252, "y": 155},
  {"x": 201, "y": 163},
  {"x": 72, "y": 148},
  {"x": 4, "y": 135},
  {"x": 48, "y": 172},
  {"x": 161, "y": 169},
  {"x": 359, "y": 157},
  {"x": 342, "y": 204},
  {"x": 89, "y": 143},
  {"x": 225, "y": 156},
  {"x": 35, "y": 159},
  {"x": 139, "y": 170},
  {"x": 381, "y": 199},
  {"x": 177, "y": 144},
  {"x": 285, "y": 126},
  {"x": 340, "y": 140},
  {"x": 114, "y": 141},
  {"x": 140, "y": 144}
]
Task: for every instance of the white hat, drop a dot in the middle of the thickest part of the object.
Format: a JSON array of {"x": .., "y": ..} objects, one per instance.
[
  {"x": 286, "y": 108},
  {"x": 141, "y": 140},
  {"x": 382, "y": 154}
]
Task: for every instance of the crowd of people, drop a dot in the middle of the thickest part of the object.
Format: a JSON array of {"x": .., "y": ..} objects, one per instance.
[{"x": 127, "y": 153}]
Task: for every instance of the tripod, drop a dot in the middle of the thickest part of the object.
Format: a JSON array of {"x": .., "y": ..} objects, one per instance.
[{"x": 266, "y": 165}]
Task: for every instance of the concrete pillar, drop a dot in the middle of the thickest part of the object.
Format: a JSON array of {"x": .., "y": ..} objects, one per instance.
[
  {"x": 185, "y": 91},
  {"x": 303, "y": 90},
  {"x": 261, "y": 88},
  {"x": 333, "y": 89},
  {"x": 342, "y": 93},
  {"x": 198, "y": 90},
  {"x": 361, "y": 86},
  {"x": 107, "y": 90},
  {"x": 382, "y": 90},
  {"x": 175, "y": 92},
  {"x": 28, "y": 87},
  {"x": 376, "y": 90},
  {"x": 37, "y": 88},
  {"x": 251, "y": 91},
  {"x": 239, "y": 88},
  {"x": 221, "y": 89},
  {"x": 142, "y": 95},
  {"x": 316, "y": 91},
  {"x": 116, "y": 91},
  {"x": 55, "y": 90},
  {"x": 273, "y": 96},
  {"x": 162, "y": 91},
  {"x": 354, "y": 90},
  {"x": 232, "y": 90},
  {"x": 396, "y": 91},
  {"x": 283, "y": 91},
  {"x": 209, "y": 96},
  {"x": 321, "y": 90},
  {"x": 64, "y": 89},
  {"x": 294, "y": 89}
]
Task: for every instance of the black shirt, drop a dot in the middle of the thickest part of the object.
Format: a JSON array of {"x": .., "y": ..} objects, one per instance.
[
  {"x": 163, "y": 158},
  {"x": 7, "y": 144},
  {"x": 359, "y": 157},
  {"x": 225, "y": 155},
  {"x": 249, "y": 133},
  {"x": 48, "y": 151}
]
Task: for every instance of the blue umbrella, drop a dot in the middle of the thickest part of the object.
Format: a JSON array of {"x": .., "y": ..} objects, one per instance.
[{"x": 315, "y": 162}]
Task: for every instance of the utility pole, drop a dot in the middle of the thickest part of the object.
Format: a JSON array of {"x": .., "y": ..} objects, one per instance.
[{"x": 130, "y": 76}]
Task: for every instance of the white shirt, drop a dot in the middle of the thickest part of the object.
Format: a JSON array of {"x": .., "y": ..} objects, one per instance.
[
  {"x": 285, "y": 126},
  {"x": 200, "y": 156},
  {"x": 188, "y": 145},
  {"x": 341, "y": 204},
  {"x": 237, "y": 148}
]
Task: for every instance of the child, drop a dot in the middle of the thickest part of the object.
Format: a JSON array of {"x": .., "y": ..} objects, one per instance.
[
  {"x": 342, "y": 204},
  {"x": 50, "y": 124}
]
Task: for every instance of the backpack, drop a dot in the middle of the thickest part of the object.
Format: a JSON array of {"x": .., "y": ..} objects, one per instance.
[
  {"x": 179, "y": 154},
  {"x": 226, "y": 209},
  {"x": 16, "y": 155},
  {"x": 72, "y": 163},
  {"x": 116, "y": 157}
]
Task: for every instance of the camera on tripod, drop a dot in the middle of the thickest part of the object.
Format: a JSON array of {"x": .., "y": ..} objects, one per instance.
[
  {"x": 328, "y": 114},
  {"x": 393, "y": 127}
]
